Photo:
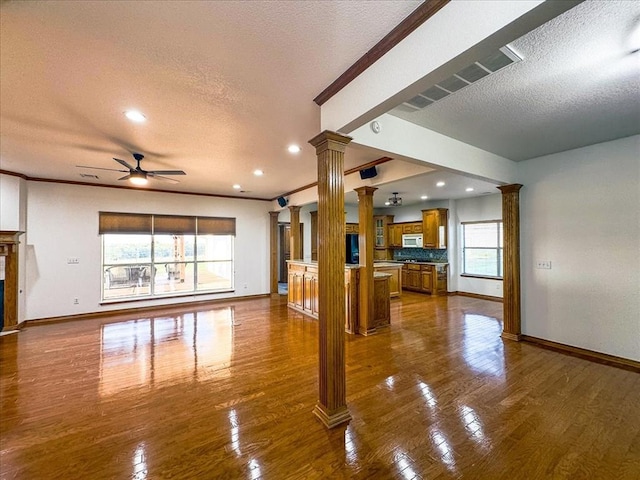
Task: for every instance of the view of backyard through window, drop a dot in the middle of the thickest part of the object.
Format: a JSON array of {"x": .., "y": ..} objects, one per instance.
[
  {"x": 482, "y": 249},
  {"x": 151, "y": 265}
]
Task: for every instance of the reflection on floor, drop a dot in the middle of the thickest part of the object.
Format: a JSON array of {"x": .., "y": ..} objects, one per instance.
[{"x": 226, "y": 392}]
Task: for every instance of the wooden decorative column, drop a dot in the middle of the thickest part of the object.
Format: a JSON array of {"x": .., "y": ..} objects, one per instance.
[
  {"x": 366, "y": 240},
  {"x": 9, "y": 249},
  {"x": 314, "y": 236},
  {"x": 273, "y": 252},
  {"x": 331, "y": 407},
  {"x": 296, "y": 246},
  {"x": 511, "y": 264}
]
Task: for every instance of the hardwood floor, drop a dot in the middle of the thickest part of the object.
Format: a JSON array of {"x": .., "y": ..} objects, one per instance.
[{"x": 227, "y": 392}]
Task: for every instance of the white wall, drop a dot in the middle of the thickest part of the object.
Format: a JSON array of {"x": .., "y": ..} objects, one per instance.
[
  {"x": 473, "y": 210},
  {"x": 62, "y": 222},
  {"x": 10, "y": 202},
  {"x": 580, "y": 209}
]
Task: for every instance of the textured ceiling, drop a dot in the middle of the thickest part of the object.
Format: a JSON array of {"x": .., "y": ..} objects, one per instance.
[
  {"x": 225, "y": 86},
  {"x": 578, "y": 84}
]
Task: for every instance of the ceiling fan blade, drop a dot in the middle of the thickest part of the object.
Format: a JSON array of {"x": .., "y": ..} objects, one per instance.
[
  {"x": 167, "y": 179},
  {"x": 166, "y": 172},
  {"x": 126, "y": 177},
  {"x": 98, "y": 168},
  {"x": 124, "y": 164}
]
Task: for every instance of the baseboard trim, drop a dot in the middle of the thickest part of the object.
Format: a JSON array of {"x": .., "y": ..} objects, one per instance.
[
  {"x": 591, "y": 355},
  {"x": 135, "y": 311},
  {"x": 477, "y": 295}
]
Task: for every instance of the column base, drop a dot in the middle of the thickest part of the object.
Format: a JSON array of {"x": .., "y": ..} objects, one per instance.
[
  {"x": 368, "y": 332},
  {"x": 516, "y": 337},
  {"x": 334, "y": 419}
]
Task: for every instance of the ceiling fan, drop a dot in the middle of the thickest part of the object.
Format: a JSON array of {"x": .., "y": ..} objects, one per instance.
[{"x": 137, "y": 175}]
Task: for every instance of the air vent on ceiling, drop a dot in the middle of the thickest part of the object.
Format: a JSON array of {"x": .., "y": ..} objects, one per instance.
[
  {"x": 468, "y": 75},
  {"x": 88, "y": 175}
]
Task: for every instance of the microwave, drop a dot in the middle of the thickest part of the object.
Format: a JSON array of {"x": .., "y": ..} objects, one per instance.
[{"x": 412, "y": 240}]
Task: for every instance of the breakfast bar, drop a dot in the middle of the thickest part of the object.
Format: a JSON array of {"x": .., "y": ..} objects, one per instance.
[{"x": 303, "y": 295}]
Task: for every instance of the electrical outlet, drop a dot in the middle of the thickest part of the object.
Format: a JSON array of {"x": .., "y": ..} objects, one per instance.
[
  {"x": 76, "y": 301},
  {"x": 73, "y": 261},
  {"x": 544, "y": 264},
  {"x": 245, "y": 286}
]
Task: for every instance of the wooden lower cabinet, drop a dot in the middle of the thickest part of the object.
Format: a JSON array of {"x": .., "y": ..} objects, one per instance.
[
  {"x": 382, "y": 303},
  {"x": 395, "y": 280},
  {"x": 426, "y": 276},
  {"x": 303, "y": 294},
  {"x": 295, "y": 286},
  {"x": 431, "y": 278}
]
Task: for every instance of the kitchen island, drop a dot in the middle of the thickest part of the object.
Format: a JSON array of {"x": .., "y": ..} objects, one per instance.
[{"x": 303, "y": 295}]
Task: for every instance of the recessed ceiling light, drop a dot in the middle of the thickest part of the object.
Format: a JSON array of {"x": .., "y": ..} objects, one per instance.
[
  {"x": 469, "y": 189},
  {"x": 423, "y": 197},
  {"x": 440, "y": 184},
  {"x": 294, "y": 149},
  {"x": 237, "y": 187},
  {"x": 135, "y": 116},
  {"x": 258, "y": 173}
]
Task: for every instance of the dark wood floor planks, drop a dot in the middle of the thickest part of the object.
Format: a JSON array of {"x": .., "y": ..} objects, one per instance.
[{"x": 227, "y": 391}]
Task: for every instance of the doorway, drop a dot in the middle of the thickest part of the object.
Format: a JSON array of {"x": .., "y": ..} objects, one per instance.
[{"x": 284, "y": 248}]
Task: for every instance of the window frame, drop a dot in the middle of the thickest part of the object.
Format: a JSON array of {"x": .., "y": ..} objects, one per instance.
[
  {"x": 499, "y": 249},
  {"x": 121, "y": 224}
]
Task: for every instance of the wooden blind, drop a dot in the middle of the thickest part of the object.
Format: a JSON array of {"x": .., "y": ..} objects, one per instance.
[
  {"x": 139, "y": 223},
  {"x": 174, "y": 224},
  {"x": 216, "y": 226},
  {"x": 124, "y": 223}
]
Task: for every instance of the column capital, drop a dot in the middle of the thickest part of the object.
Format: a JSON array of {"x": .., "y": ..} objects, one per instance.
[
  {"x": 329, "y": 140},
  {"x": 512, "y": 188},
  {"x": 294, "y": 208},
  {"x": 365, "y": 191},
  {"x": 274, "y": 214}
]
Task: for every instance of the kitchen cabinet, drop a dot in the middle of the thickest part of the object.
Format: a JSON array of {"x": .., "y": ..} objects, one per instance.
[
  {"x": 351, "y": 228},
  {"x": 434, "y": 224},
  {"x": 303, "y": 295},
  {"x": 381, "y": 250},
  {"x": 412, "y": 227},
  {"x": 411, "y": 276},
  {"x": 296, "y": 286},
  {"x": 395, "y": 279},
  {"x": 425, "y": 278},
  {"x": 382, "y": 233},
  {"x": 395, "y": 235}
]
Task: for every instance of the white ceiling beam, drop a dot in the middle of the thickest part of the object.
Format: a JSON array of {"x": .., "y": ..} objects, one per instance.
[{"x": 459, "y": 33}]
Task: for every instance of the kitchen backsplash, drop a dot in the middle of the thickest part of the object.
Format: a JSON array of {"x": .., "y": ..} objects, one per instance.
[{"x": 420, "y": 254}]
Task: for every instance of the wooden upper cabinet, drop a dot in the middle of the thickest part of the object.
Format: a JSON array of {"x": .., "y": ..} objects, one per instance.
[
  {"x": 435, "y": 234},
  {"x": 395, "y": 235},
  {"x": 351, "y": 228},
  {"x": 381, "y": 223}
]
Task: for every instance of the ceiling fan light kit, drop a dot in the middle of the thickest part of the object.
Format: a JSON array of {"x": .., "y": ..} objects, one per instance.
[{"x": 137, "y": 176}]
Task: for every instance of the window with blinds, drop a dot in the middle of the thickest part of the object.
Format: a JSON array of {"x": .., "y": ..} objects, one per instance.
[
  {"x": 482, "y": 249},
  {"x": 163, "y": 255}
]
